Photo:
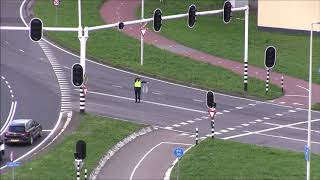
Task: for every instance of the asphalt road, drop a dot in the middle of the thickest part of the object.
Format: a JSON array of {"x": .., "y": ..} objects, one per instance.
[{"x": 170, "y": 106}]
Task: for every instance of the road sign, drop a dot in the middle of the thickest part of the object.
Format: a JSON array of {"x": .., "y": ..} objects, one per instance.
[
  {"x": 306, "y": 152},
  {"x": 212, "y": 112},
  {"x": 56, "y": 2},
  {"x": 143, "y": 31},
  {"x": 178, "y": 152},
  {"x": 13, "y": 164}
]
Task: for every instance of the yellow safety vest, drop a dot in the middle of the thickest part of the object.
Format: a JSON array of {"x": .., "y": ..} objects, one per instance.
[{"x": 137, "y": 84}]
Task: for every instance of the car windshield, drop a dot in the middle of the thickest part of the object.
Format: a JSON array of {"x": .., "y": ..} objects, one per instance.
[{"x": 18, "y": 129}]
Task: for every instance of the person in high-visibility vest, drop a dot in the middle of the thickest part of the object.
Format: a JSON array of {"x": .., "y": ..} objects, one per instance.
[{"x": 137, "y": 88}]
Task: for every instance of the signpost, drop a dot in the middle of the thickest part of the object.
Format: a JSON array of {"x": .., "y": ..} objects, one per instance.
[
  {"x": 56, "y": 3},
  {"x": 178, "y": 153},
  {"x": 306, "y": 152}
]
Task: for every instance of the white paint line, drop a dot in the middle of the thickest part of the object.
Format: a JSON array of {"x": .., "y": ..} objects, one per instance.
[
  {"x": 282, "y": 102},
  {"x": 6, "y": 82},
  {"x": 205, "y": 117},
  {"x": 259, "y": 120},
  {"x": 252, "y": 122},
  {"x": 266, "y": 118},
  {"x": 251, "y": 104},
  {"x": 183, "y": 123},
  {"x": 298, "y": 104},
  {"x": 269, "y": 129},
  {"x": 157, "y": 93},
  {"x": 226, "y": 111},
  {"x": 47, "y": 130},
  {"x": 217, "y": 133},
  {"x": 292, "y": 111},
  {"x": 296, "y": 96},
  {"x": 303, "y": 88},
  {"x": 11, "y": 91},
  {"x": 184, "y": 134},
  {"x": 21, "y": 50},
  {"x": 197, "y": 119},
  {"x": 231, "y": 129},
  {"x": 279, "y": 114},
  {"x": 190, "y": 121},
  {"x": 283, "y": 137},
  {"x": 224, "y": 131},
  {"x": 192, "y": 136},
  {"x": 12, "y": 96},
  {"x": 3, "y": 77},
  {"x": 239, "y": 107},
  {"x": 219, "y": 113},
  {"x": 197, "y": 100},
  {"x": 66, "y": 67},
  {"x": 176, "y": 125},
  {"x": 291, "y": 127},
  {"x": 149, "y": 102},
  {"x": 168, "y": 127},
  {"x": 245, "y": 124},
  {"x": 116, "y": 86},
  {"x": 9, "y": 86}
]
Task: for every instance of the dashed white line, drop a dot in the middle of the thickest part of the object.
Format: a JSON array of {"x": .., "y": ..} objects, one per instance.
[
  {"x": 239, "y": 107},
  {"x": 219, "y": 113},
  {"x": 266, "y": 118},
  {"x": 226, "y": 111},
  {"x": 298, "y": 104},
  {"x": 116, "y": 86},
  {"x": 251, "y": 104},
  {"x": 6, "y": 82},
  {"x": 168, "y": 127},
  {"x": 156, "y": 93},
  {"x": 3, "y": 77},
  {"x": 197, "y": 100},
  {"x": 12, "y": 95},
  {"x": 176, "y": 125},
  {"x": 282, "y": 102},
  {"x": 231, "y": 129},
  {"x": 292, "y": 111},
  {"x": 183, "y": 123},
  {"x": 258, "y": 120},
  {"x": 252, "y": 122},
  {"x": 21, "y": 50},
  {"x": 224, "y": 131},
  {"x": 190, "y": 121},
  {"x": 245, "y": 124},
  {"x": 279, "y": 114},
  {"x": 197, "y": 119}
]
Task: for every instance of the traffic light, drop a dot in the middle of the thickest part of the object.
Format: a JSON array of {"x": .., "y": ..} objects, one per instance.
[
  {"x": 77, "y": 75},
  {"x": 80, "y": 150},
  {"x": 270, "y": 57},
  {"x": 157, "y": 20},
  {"x": 192, "y": 15},
  {"x": 35, "y": 31},
  {"x": 227, "y": 12},
  {"x": 121, "y": 25},
  {"x": 210, "y": 100}
]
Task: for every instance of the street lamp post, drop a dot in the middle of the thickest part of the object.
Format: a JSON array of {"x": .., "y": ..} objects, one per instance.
[
  {"x": 309, "y": 108},
  {"x": 141, "y": 35}
]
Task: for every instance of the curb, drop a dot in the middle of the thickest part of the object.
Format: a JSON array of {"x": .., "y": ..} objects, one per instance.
[{"x": 116, "y": 148}]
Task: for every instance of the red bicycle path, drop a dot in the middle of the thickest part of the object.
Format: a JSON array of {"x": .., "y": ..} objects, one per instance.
[{"x": 296, "y": 90}]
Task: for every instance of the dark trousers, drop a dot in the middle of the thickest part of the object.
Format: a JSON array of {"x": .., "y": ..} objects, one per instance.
[{"x": 137, "y": 92}]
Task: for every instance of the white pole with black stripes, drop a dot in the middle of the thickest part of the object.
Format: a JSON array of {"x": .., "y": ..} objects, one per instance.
[
  {"x": 212, "y": 128},
  {"x": 85, "y": 174},
  {"x": 267, "y": 81},
  {"x": 78, "y": 170},
  {"x": 197, "y": 135},
  {"x": 282, "y": 84},
  {"x": 246, "y": 34}
]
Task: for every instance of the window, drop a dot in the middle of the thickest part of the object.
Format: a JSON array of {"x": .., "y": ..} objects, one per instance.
[{"x": 19, "y": 129}]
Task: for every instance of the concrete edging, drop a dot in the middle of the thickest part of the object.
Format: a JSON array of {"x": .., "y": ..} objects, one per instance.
[{"x": 116, "y": 148}]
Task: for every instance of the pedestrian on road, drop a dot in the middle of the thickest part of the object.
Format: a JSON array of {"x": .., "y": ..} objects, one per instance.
[{"x": 137, "y": 88}]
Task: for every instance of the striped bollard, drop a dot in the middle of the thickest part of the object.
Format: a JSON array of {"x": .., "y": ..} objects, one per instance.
[
  {"x": 267, "y": 81},
  {"x": 78, "y": 170},
  {"x": 245, "y": 76},
  {"x": 282, "y": 83},
  {"x": 85, "y": 174},
  {"x": 82, "y": 100},
  {"x": 197, "y": 134},
  {"x": 212, "y": 128}
]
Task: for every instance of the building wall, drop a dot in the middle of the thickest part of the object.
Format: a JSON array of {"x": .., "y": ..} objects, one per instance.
[{"x": 289, "y": 14}]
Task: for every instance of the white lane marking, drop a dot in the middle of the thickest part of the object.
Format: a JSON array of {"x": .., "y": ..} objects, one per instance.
[
  {"x": 12, "y": 96},
  {"x": 205, "y": 117},
  {"x": 231, "y": 129},
  {"x": 168, "y": 127},
  {"x": 219, "y": 113},
  {"x": 283, "y": 137},
  {"x": 303, "y": 88},
  {"x": 10, "y": 91},
  {"x": 251, "y": 104},
  {"x": 176, "y": 125},
  {"x": 291, "y": 127},
  {"x": 190, "y": 121},
  {"x": 269, "y": 129},
  {"x": 192, "y": 135},
  {"x": 149, "y": 102},
  {"x": 183, "y": 123},
  {"x": 21, "y": 50},
  {"x": 66, "y": 67},
  {"x": 157, "y": 93},
  {"x": 298, "y": 104},
  {"x": 217, "y": 133},
  {"x": 282, "y": 102},
  {"x": 296, "y": 96},
  {"x": 7, "y": 82},
  {"x": 266, "y": 118},
  {"x": 279, "y": 114},
  {"x": 184, "y": 134},
  {"x": 9, "y": 86},
  {"x": 9, "y": 118},
  {"x": 3, "y": 77},
  {"x": 245, "y": 124},
  {"x": 197, "y": 119},
  {"x": 258, "y": 120},
  {"x": 239, "y": 107},
  {"x": 292, "y": 111},
  {"x": 116, "y": 86},
  {"x": 140, "y": 161},
  {"x": 224, "y": 131},
  {"x": 197, "y": 100},
  {"x": 47, "y": 130},
  {"x": 252, "y": 122},
  {"x": 226, "y": 111}
]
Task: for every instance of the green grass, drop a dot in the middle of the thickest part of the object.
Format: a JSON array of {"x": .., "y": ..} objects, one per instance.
[
  {"x": 220, "y": 159},
  {"x": 316, "y": 106},
  {"x": 115, "y": 48},
  {"x": 99, "y": 133},
  {"x": 211, "y": 35}
]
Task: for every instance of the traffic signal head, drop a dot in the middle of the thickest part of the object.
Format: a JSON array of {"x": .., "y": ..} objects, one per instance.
[
  {"x": 192, "y": 15},
  {"x": 80, "y": 150},
  {"x": 121, "y": 25},
  {"x": 77, "y": 75},
  {"x": 157, "y": 20},
  {"x": 270, "y": 57},
  {"x": 35, "y": 31},
  {"x": 210, "y": 100},
  {"x": 227, "y": 12}
]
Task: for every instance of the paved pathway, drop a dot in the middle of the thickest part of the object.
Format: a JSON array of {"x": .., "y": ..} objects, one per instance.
[{"x": 123, "y": 10}]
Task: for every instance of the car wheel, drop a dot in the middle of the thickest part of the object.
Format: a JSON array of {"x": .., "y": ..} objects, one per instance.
[{"x": 31, "y": 140}]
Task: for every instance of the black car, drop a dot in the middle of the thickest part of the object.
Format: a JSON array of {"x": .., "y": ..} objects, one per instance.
[{"x": 22, "y": 131}]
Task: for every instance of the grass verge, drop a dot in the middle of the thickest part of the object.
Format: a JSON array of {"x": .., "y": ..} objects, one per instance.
[
  {"x": 119, "y": 50},
  {"x": 220, "y": 159},
  {"x": 211, "y": 35},
  {"x": 100, "y": 135},
  {"x": 316, "y": 107}
]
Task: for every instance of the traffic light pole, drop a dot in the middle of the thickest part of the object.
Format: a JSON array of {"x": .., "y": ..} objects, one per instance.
[
  {"x": 141, "y": 35},
  {"x": 246, "y": 34},
  {"x": 83, "y": 36}
]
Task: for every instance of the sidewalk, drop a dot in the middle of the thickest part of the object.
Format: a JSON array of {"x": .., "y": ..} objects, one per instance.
[
  {"x": 147, "y": 157},
  {"x": 123, "y": 10}
]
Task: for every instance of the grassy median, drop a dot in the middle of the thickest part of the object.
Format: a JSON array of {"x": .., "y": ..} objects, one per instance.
[
  {"x": 220, "y": 159},
  {"x": 316, "y": 107},
  {"x": 119, "y": 50},
  {"x": 99, "y": 133},
  {"x": 211, "y": 35}
]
